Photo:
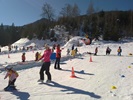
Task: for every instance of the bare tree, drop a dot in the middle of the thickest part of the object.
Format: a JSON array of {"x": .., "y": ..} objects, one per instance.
[
  {"x": 90, "y": 9},
  {"x": 70, "y": 11},
  {"x": 66, "y": 11},
  {"x": 48, "y": 12},
  {"x": 75, "y": 11}
]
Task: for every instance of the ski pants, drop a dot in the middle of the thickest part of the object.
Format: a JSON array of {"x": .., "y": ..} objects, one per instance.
[
  {"x": 11, "y": 82},
  {"x": 45, "y": 67},
  {"x": 57, "y": 62}
]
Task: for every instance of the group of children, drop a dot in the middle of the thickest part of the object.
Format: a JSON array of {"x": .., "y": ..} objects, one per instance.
[
  {"x": 37, "y": 56},
  {"x": 12, "y": 74},
  {"x": 73, "y": 51},
  {"x": 108, "y": 50}
]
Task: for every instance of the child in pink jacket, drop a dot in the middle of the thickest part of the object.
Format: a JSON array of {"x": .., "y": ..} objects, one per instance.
[
  {"x": 12, "y": 74},
  {"x": 46, "y": 65}
]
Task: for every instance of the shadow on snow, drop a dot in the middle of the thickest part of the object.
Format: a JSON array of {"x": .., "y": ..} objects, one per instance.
[
  {"x": 21, "y": 95},
  {"x": 72, "y": 90}
]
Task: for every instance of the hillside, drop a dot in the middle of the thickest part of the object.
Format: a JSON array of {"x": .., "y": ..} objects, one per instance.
[{"x": 111, "y": 25}]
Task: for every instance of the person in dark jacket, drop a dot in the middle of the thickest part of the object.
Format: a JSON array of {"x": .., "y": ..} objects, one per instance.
[
  {"x": 23, "y": 57},
  {"x": 96, "y": 50},
  {"x": 58, "y": 57},
  {"x": 36, "y": 56},
  {"x": 73, "y": 47},
  {"x": 119, "y": 51},
  {"x": 108, "y": 50}
]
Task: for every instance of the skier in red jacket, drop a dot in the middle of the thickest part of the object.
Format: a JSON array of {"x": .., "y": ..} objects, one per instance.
[{"x": 58, "y": 56}]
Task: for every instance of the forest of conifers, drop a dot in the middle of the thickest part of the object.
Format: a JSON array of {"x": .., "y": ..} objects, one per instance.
[{"x": 111, "y": 25}]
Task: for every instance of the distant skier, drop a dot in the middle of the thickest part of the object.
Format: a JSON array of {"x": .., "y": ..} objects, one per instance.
[
  {"x": 16, "y": 47},
  {"x": 73, "y": 53},
  {"x": 68, "y": 52},
  {"x": 23, "y": 57},
  {"x": 73, "y": 47},
  {"x": 36, "y": 56},
  {"x": 119, "y": 51},
  {"x": 76, "y": 50},
  {"x": 23, "y": 48},
  {"x": 96, "y": 51},
  {"x": 108, "y": 50},
  {"x": 9, "y": 48},
  {"x": 12, "y": 74},
  {"x": 58, "y": 57}
]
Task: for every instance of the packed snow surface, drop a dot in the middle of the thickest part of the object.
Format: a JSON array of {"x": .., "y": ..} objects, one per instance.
[{"x": 107, "y": 77}]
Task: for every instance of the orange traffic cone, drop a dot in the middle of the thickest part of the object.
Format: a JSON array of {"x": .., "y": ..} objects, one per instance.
[
  {"x": 8, "y": 56},
  {"x": 90, "y": 59},
  {"x": 73, "y": 74}
]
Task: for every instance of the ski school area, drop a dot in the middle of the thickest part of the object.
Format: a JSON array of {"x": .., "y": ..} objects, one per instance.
[{"x": 84, "y": 76}]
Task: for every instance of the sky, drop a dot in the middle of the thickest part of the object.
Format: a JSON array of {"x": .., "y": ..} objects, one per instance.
[
  {"x": 106, "y": 77},
  {"x": 21, "y": 12}
]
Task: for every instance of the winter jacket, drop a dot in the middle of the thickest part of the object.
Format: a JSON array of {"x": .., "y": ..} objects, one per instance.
[
  {"x": 108, "y": 50},
  {"x": 46, "y": 55},
  {"x": 12, "y": 75},
  {"x": 23, "y": 57},
  {"x": 119, "y": 50},
  {"x": 58, "y": 52},
  {"x": 36, "y": 56}
]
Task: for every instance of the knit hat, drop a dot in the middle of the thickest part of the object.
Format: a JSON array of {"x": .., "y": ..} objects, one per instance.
[{"x": 46, "y": 46}]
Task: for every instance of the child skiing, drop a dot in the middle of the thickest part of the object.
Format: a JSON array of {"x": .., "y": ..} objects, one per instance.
[
  {"x": 119, "y": 51},
  {"x": 23, "y": 57},
  {"x": 36, "y": 56},
  {"x": 96, "y": 50},
  {"x": 108, "y": 50},
  {"x": 12, "y": 74}
]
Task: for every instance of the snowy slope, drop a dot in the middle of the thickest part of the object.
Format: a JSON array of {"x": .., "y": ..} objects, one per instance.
[{"x": 94, "y": 80}]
